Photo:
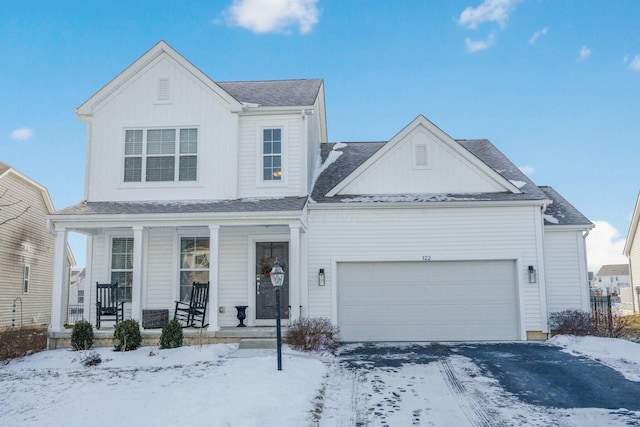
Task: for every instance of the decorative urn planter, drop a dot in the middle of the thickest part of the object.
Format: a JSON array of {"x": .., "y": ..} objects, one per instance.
[{"x": 242, "y": 314}]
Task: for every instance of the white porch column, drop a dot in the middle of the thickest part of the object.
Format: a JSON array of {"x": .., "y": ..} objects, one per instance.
[
  {"x": 60, "y": 285},
  {"x": 294, "y": 271},
  {"x": 214, "y": 272},
  {"x": 136, "y": 281}
]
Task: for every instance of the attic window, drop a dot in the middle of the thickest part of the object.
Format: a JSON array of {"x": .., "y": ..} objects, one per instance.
[{"x": 163, "y": 89}]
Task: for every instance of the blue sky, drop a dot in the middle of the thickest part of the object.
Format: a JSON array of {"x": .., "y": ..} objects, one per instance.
[{"x": 554, "y": 84}]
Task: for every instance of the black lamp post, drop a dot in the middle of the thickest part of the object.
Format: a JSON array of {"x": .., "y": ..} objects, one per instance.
[{"x": 277, "y": 278}]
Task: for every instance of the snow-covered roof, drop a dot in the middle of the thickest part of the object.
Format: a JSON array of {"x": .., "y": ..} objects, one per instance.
[{"x": 561, "y": 212}]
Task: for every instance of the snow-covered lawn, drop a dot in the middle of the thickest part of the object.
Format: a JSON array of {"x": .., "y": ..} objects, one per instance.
[{"x": 218, "y": 385}]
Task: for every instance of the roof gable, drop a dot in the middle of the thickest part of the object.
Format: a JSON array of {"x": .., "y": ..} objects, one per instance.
[
  {"x": 423, "y": 159},
  {"x": 154, "y": 55},
  {"x": 6, "y": 170}
]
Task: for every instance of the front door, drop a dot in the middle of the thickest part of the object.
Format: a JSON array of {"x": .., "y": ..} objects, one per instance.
[{"x": 266, "y": 254}]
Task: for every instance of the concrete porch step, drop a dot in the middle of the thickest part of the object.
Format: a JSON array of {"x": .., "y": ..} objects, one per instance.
[{"x": 257, "y": 343}]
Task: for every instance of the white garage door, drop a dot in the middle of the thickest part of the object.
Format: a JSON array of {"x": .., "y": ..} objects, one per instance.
[{"x": 428, "y": 301}]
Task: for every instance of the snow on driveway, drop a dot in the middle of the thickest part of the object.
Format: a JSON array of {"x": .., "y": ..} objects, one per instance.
[{"x": 450, "y": 391}]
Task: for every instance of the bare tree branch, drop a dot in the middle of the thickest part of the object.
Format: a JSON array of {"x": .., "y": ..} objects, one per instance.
[
  {"x": 9, "y": 204},
  {"x": 15, "y": 217}
]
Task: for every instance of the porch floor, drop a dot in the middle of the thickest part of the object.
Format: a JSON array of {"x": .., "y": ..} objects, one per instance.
[{"x": 150, "y": 337}]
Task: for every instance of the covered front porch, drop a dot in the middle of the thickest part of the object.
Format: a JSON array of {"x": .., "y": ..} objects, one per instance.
[{"x": 156, "y": 255}]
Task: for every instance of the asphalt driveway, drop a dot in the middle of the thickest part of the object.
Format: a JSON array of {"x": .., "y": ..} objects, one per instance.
[{"x": 476, "y": 384}]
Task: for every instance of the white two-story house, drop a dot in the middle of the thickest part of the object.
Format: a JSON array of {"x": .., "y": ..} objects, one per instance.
[{"x": 422, "y": 237}]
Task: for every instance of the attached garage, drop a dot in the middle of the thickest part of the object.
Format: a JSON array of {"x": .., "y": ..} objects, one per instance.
[{"x": 428, "y": 301}]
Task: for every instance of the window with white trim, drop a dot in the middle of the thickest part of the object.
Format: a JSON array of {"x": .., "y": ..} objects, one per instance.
[
  {"x": 272, "y": 154},
  {"x": 26, "y": 278},
  {"x": 153, "y": 155},
  {"x": 194, "y": 263},
  {"x": 122, "y": 266}
]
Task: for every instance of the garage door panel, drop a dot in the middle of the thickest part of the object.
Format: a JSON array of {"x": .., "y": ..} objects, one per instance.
[{"x": 443, "y": 301}]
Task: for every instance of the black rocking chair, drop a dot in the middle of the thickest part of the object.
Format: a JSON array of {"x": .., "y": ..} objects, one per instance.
[
  {"x": 107, "y": 304},
  {"x": 192, "y": 313}
]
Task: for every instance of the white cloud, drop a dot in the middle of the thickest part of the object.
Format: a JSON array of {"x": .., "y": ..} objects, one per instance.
[
  {"x": 604, "y": 246},
  {"x": 635, "y": 63},
  {"x": 537, "y": 35},
  {"x": 527, "y": 170},
  {"x": 489, "y": 11},
  {"x": 265, "y": 16},
  {"x": 585, "y": 52},
  {"x": 478, "y": 45},
  {"x": 22, "y": 134}
]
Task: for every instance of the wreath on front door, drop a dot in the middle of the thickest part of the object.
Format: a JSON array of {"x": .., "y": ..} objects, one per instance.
[{"x": 265, "y": 268}]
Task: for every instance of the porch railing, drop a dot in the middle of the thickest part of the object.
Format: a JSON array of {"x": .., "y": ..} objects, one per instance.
[{"x": 75, "y": 313}]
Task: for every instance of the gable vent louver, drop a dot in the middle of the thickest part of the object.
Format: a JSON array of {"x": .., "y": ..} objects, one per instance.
[
  {"x": 421, "y": 155},
  {"x": 163, "y": 89}
]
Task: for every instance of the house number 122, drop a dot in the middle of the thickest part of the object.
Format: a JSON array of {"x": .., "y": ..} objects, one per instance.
[{"x": 426, "y": 257}]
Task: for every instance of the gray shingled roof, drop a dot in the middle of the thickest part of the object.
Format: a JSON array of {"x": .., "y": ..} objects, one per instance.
[
  {"x": 4, "y": 167},
  {"x": 185, "y": 207},
  {"x": 275, "y": 93},
  {"x": 355, "y": 153},
  {"x": 561, "y": 212},
  {"x": 614, "y": 270}
]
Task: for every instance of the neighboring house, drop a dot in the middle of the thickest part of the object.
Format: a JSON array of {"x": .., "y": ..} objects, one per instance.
[
  {"x": 26, "y": 250},
  {"x": 75, "y": 308},
  {"x": 422, "y": 237},
  {"x": 615, "y": 280},
  {"x": 632, "y": 252}
]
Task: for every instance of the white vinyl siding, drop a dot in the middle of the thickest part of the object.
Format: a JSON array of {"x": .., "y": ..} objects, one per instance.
[
  {"x": 192, "y": 105},
  {"x": 444, "y": 234},
  {"x": 161, "y": 275},
  {"x": 565, "y": 287},
  {"x": 251, "y": 161}
]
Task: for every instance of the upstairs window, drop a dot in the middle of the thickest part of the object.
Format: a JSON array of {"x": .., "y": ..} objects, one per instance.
[
  {"x": 272, "y": 154},
  {"x": 160, "y": 155}
]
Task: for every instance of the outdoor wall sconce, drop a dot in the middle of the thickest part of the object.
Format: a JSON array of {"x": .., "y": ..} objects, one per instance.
[
  {"x": 532, "y": 274},
  {"x": 321, "y": 277}
]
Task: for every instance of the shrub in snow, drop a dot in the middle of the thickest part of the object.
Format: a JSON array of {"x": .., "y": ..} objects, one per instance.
[
  {"x": 91, "y": 359},
  {"x": 570, "y": 322},
  {"x": 171, "y": 336},
  {"x": 82, "y": 336},
  {"x": 127, "y": 335},
  {"x": 313, "y": 334}
]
